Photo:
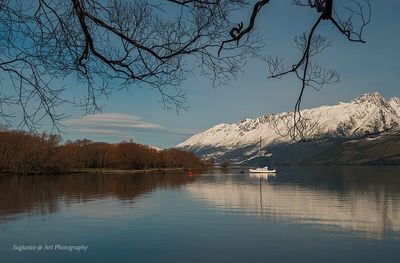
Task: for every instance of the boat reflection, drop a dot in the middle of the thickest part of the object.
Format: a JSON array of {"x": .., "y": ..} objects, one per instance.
[{"x": 262, "y": 175}]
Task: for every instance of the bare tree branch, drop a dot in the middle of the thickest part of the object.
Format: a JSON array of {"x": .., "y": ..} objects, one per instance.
[
  {"x": 109, "y": 46},
  {"x": 309, "y": 44}
]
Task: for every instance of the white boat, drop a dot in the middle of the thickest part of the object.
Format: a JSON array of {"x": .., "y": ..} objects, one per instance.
[{"x": 262, "y": 169}]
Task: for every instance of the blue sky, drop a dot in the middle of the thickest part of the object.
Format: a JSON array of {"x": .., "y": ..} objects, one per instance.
[{"x": 369, "y": 67}]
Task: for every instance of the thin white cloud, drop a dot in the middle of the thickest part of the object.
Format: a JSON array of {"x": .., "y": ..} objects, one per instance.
[
  {"x": 113, "y": 121},
  {"x": 118, "y": 125}
]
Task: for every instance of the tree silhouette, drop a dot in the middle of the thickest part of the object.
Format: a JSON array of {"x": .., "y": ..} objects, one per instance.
[
  {"x": 25, "y": 153},
  {"x": 311, "y": 44},
  {"x": 112, "y": 45}
]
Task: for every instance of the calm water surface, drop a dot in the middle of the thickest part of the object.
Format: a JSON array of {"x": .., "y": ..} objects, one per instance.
[{"x": 306, "y": 214}]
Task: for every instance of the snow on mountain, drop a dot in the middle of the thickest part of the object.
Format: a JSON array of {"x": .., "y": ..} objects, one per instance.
[
  {"x": 366, "y": 114},
  {"x": 395, "y": 103}
]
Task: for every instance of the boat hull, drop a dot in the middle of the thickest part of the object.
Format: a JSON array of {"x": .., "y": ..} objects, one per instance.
[{"x": 261, "y": 171}]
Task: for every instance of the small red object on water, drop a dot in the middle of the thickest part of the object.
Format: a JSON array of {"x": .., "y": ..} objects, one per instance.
[{"x": 190, "y": 173}]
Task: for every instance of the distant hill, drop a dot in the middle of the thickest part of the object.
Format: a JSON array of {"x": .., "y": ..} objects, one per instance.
[
  {"x": 383, "y": 149},
  {"x": 362, "y": 131}
]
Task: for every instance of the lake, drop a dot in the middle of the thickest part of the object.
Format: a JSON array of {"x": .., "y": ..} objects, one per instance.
[{"x": 303, "y": 214}]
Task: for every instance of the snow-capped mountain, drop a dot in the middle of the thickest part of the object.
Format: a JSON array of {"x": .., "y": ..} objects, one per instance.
[{"x": 366, "y": 114}]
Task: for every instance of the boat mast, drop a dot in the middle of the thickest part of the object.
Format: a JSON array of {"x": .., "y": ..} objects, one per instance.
[{"x": 259, "y": 155}]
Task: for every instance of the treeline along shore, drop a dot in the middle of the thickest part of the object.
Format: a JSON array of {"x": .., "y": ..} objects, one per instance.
[{"x": 25, "y": 153}]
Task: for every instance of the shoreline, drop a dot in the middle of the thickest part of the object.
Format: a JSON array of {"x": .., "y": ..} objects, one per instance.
[
  {"x": 105, "y": 171},
  {"x": 163, "y": 170},
  {"x": 119, "y": 171}
]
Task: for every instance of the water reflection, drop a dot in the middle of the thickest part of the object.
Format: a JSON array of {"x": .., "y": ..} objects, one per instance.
[
  {"x": 360, "y": 199},
  {"x": 46, "y": 194},
  {"x": 366, "y": 200}
]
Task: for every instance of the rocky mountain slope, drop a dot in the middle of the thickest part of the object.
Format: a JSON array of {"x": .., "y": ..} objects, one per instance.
[{"x": 365, "y": 116}]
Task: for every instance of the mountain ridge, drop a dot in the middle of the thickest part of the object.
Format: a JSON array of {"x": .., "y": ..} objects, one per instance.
[{"x": 365, "y": 115}]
